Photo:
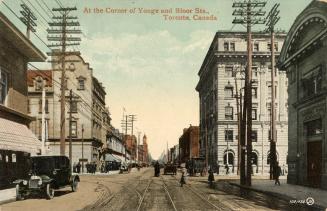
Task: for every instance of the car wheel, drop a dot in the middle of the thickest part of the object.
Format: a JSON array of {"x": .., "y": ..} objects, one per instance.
[
  {"x": 49, "y": 191},
  {"x": 75, "y": 185},
  {"x": 19, "y": 195}
]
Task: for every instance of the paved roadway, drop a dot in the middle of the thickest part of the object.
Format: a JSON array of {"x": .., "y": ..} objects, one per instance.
[{"x": 141, "y": 191}]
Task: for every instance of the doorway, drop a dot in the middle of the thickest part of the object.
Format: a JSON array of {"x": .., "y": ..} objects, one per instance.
[{"x": 314, "y": 160}]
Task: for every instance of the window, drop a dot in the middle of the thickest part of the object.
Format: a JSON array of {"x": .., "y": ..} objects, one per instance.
[
  {"x": 40, "y": 105},
  {"x": 74, "y": 129},
  {"x": 269, "y": 46},
  {"x": 229, "y": 135},
  {"x": 312, "y": 85},
  {"x": 313, "y": 127},
  {"x": 254, "y": 72},
  {"x": 28, "y": 106},
  {"x": 229, "y": 112},
  {"x": 13, "y": 158},
  {"x": 276, "y": 46},
  {"x": 269, "y": 91},
  {"x": 228, "y": 71},
  {"x": 46, "y": 106},
  {"x": 81, "y": 84},
  {"x": 254, "y": 114},
  {"x": 256, "y": 47},
  {"x": 255, "y": 92},
  {"x": 254, "y": 135},
  {"x": 3, "y": 86},
  {"x": 228, "y": 92},
  {"x": 226, "y": 46},
  {"x": 73, "y": 108},
  {"x": 232, "y": 46},
  {"x": 38, "y": 84}
]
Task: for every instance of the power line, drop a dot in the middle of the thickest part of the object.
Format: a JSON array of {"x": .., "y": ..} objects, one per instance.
[
  {"x": 19, "y": 19},
  {"x": 43, "y": 8},
  {"x": 48, "y": 7},
  {"x": 46, "y": 21}
]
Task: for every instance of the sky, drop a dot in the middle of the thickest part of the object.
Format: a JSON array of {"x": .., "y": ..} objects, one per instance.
[{"x": 147, "y": 64}]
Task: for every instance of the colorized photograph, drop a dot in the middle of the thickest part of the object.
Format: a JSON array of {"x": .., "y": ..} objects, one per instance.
[{"x": 159, "y": 105}]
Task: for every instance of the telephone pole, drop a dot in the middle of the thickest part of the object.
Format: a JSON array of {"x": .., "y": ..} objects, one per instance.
[
  {"x": 28, "y": 19},
  {"x": 248, "y": 13},
  {"x": 272, "y": 19},
  {"x": 60, "y": 28},
  {"x": 70, "y": 124}
]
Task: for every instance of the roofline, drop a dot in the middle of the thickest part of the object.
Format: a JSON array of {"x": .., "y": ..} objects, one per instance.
[{"x": 40, "y": 57}]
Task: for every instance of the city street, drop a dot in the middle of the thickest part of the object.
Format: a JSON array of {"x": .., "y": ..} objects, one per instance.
[{"x": 142, "y": 191}]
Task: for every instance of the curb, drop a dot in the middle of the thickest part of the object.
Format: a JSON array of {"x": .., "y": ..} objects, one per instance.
[
  {"x": 7, "y": 201},
  {"x": 277, "y": 195}
]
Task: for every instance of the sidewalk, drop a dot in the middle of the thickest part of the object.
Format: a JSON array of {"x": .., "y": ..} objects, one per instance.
[
  {"x": 299, "y": 194},
  {"x": 7, "y": 195}
]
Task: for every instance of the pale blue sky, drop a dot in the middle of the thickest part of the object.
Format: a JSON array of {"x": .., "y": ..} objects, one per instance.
[{"x": 149, "y": 65}]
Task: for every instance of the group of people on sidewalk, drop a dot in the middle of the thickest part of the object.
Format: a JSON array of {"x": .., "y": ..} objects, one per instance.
[{"x": 90, "y": 167}]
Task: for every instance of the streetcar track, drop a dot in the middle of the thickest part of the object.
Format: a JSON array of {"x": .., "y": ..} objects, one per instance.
[
  {"x": 143, "y": 196},
  {"x": 166, "y": 189},
  {"x": 200, "y": 196}
]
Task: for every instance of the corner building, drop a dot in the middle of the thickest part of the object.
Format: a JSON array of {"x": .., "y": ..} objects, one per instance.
[
  {"x": 304, "y": 60},
  {"x": 221, "y": 81}
]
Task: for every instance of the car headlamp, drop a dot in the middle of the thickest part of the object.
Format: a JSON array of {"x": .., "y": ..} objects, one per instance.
[
  {"x": 54, "y": 172},
  {"x": 25, "y": 182},
  {"x": 39, "y": 182}
]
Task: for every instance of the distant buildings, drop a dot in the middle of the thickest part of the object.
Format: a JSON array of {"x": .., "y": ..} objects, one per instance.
[
  {"x": 16, "y": 140},
  {"x": 221, "y": 81},
  {"x": 189, "y": 144},
  {"x": 303, "y": 57}
]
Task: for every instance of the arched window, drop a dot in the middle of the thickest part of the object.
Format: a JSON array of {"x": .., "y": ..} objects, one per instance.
[
  {"x": 38, "y": 83},
  {"x": 229, "y": 156}
]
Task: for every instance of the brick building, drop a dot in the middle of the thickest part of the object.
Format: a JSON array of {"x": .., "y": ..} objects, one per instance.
[
  {"x": 131, "y": 145},
  {"x": 189, "y": 144}
]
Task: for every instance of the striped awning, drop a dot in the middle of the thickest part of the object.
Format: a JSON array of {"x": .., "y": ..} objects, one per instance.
[{"x": 17, "y": 137}]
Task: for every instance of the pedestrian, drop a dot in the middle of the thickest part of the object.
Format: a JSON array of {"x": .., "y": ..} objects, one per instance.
[
  {"x": 276, "y": 173},
  {"x": 78, "y": 167},
  {"x": 211, "y": 178},
  {"x": 227, "y": 169},
  {"x": 182, "y": 181},
  {"x": 74, "y": 167},
  {"x": 156, "y": 169},
  {"x": 87, "y": 165}
]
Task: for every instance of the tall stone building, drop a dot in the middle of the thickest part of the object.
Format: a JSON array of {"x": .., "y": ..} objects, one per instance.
[
  {"x": 90, "y": 117},
  {"x": 304, "y": 59},
  {"x": 221, "y": 81}
]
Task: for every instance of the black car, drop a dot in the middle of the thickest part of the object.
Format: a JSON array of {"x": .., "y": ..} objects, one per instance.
[{"x": 47, "y": 173}]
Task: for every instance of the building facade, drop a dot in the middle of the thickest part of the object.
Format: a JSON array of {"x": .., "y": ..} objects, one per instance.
[
  {"x": 221, "y": 81},
  {"x": 189, "y": 144},
  {"x": 304, "y": 59},
  {"x": 90, "y": 117},
  {"x": 17, "y": 141}
]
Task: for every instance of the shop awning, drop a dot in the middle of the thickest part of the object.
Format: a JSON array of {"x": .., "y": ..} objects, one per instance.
[
  {"x": 111, "y": 158},
  {"x": 17, "y": 137},
  {"x": 118, "y": 158}
]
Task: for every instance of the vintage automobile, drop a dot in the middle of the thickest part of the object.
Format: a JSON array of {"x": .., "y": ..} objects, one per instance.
[
  {"x": 170, "y": 168},
  {"x": 47, "y": 173}
]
